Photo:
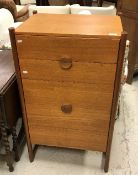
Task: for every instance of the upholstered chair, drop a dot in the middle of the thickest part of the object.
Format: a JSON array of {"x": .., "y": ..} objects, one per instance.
[{"x": 20, "y": 13}]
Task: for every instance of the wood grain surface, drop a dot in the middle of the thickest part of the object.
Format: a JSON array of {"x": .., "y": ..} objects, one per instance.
[
  {"x": 6, "y": 67},
  {"x": 78, "y": 49},
  {"x": 68, "y": 65},
  {"x": 82, "y": 72},
  {"x": 85, "y": 127},
  {"x": 70, "y": 138},
  {"x": 71, "y": 24},
  {"x": 44, "y": 96}
]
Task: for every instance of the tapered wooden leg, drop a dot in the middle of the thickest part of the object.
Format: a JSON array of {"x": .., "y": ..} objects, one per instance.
[
  {"x": 121, "y": 52},
  {"x": 9, "y": 156},
  {"x": 105, "y": 162},
  {"x": 16, "y": 63},
  {"x": 15, "y": 144}
]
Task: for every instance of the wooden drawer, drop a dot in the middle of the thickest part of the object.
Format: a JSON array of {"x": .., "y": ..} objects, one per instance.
[
  {"x": 95, "y": 123},
  {"x": 46, "y": 98},
  {"x": 85, "y": 127},
  {"x": 70, "y": 138},
  {"x": 78, "y": 49},
  {"x": 78, "y": 72}
]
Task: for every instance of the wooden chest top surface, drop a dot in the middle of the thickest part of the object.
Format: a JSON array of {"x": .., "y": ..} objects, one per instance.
[{"x": 60, "y": 24}]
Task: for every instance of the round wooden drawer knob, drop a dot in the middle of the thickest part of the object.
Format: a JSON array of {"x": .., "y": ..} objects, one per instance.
[
  {"x": 66, "y": 108},
  {"x": 65, "y": 63}
]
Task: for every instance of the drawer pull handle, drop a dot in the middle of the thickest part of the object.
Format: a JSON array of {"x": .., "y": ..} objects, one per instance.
[
  {"x": 65, "y": 63},
  {"x": 66, "y": 108}
]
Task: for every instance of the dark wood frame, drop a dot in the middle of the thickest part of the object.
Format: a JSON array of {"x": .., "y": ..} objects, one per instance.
[
  {"x": 8, "y": 127},
  {"x": 117, "y": 83},
  {"x": 19, "y": 81},
  {"x": 10, "y": 112},
  {"x": 9, "y": 154}
]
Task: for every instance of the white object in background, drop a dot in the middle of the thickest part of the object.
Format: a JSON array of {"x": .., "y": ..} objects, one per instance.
[
  {"x": 19, "y": 7},
  {"x": 126, "y": 60},
  {"x": 84, "y": 12},
  {"x": 111, "y": 10},
  {"x": 28, "y": 1},
  {"x": 6, "y": 21},
  {"x": 50, "y": 9}
]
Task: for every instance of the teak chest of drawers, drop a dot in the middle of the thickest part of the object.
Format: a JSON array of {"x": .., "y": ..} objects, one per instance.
[{"x": 69, "y": 70}]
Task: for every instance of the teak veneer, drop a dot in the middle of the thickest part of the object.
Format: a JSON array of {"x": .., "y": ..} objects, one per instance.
[{"x": 69, "y": 72}]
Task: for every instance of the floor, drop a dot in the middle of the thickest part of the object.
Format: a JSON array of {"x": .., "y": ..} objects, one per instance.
[{"x": 124, "y": 154}]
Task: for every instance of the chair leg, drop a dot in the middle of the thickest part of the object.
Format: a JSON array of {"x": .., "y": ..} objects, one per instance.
[
  {"x": 9, "y": 156},
  {"x": 15, "y": 144}
]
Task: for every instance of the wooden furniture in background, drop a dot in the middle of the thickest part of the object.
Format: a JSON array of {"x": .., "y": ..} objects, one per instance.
[
  {"x": 81, "y": 2},
  {"x": 47, "y": 2},
  {"x": 10, "y": 109},
  {"x": 69, "y": 80},
  {"x": 17, "y": 2},
  {"x": 128, "y": 11},
  {"x": 42, "y": 2},
  {"x": 100, "y": 2}
]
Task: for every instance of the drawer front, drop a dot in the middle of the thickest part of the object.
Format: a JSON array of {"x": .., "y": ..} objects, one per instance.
[
  {"x": 84, "y": 125},
  {"x": 75, "y": 48},
  {"x": 70, "y": 71},
  {"x": 69, "y": 138},
  {"x": 95, "y": 124},
  {"x": 47, "y": 98}
]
